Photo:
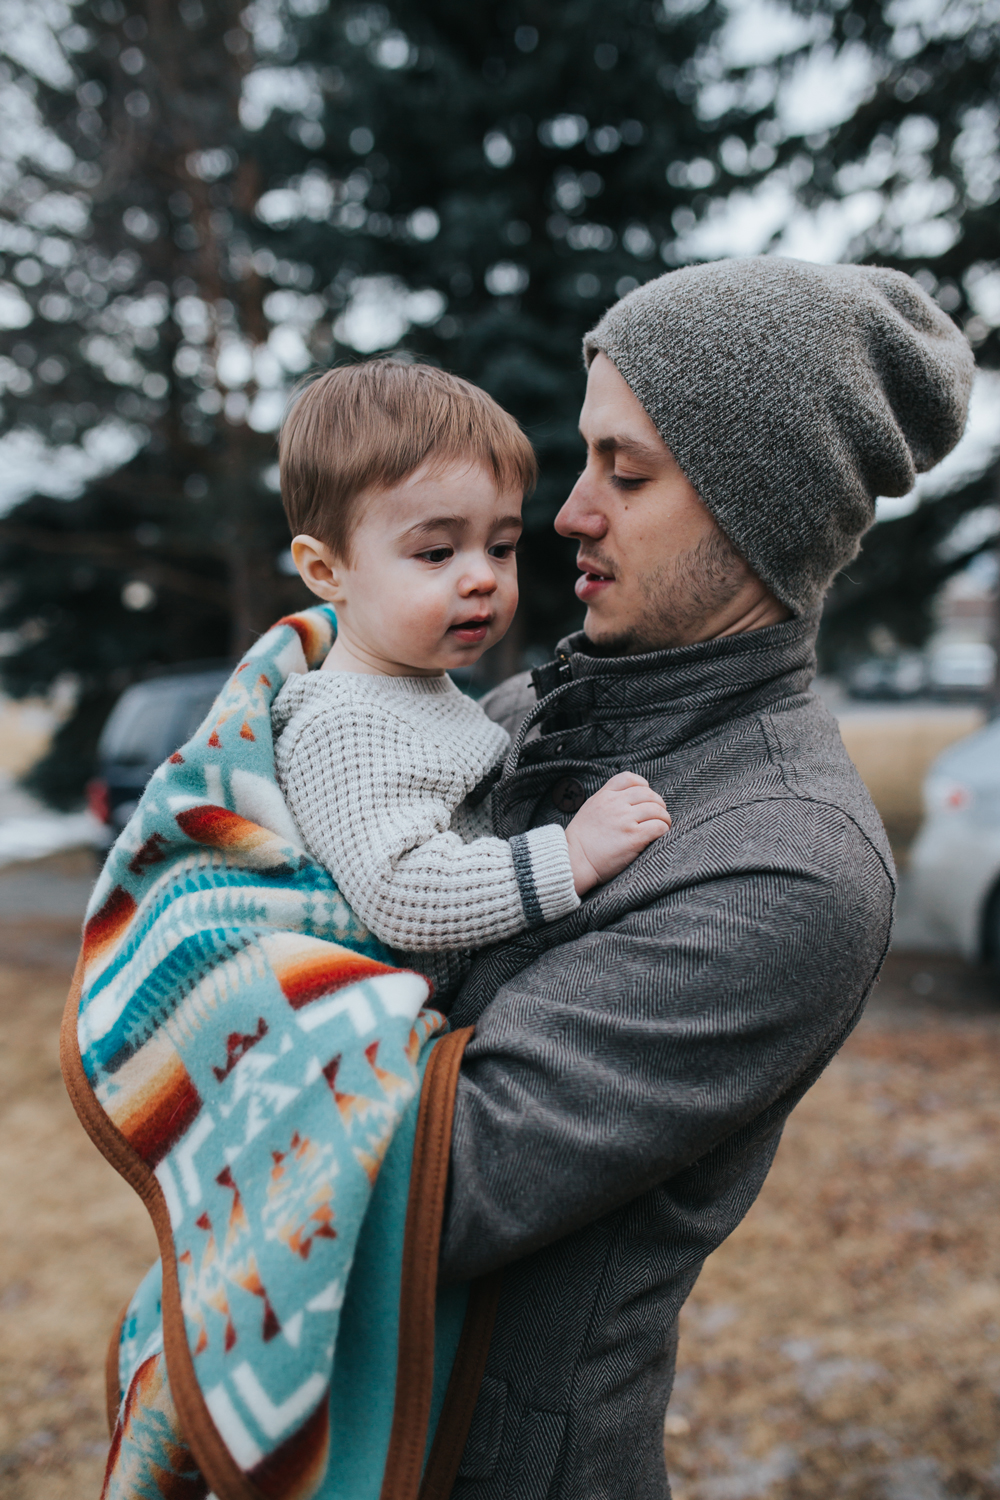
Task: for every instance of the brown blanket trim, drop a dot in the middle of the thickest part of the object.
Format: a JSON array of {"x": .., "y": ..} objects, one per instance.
[
  {"x": 224, "y": 1477},
  {"x": 421, "y": 1243},
  {"x": 112, "y": 1388},
  {"x": 463, "y": 1389},
  {"x": 415, "y": 1370}
]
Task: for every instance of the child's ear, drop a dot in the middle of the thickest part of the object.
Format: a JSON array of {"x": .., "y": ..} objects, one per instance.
[{"x": 320, "y": 570}]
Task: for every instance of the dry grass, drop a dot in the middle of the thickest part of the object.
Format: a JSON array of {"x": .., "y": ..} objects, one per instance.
[
  {"x": 893, "y": 747},
  {"x": 74, "y": 1241},
  {"x": 25, "y": 732},
  {"x": 844, "y": 1342}
]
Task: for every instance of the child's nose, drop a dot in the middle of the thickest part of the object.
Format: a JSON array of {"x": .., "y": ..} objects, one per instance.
[{"x": 479, "y": 578}]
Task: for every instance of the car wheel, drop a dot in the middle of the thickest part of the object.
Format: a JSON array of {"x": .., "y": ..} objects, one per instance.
[{"x": 991, "y": 932}]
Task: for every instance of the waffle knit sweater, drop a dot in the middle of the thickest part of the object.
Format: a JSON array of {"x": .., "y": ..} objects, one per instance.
[{"x": 377, "y": 773}]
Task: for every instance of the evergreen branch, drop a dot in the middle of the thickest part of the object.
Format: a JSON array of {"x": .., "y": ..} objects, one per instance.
[{"x": 118, "y": 556}]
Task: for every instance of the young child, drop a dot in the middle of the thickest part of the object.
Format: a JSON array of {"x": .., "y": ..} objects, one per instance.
[{"x": 403, "y": 488}]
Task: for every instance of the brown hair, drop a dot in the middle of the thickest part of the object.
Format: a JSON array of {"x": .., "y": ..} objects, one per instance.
[{"x": 375, "y": 423}]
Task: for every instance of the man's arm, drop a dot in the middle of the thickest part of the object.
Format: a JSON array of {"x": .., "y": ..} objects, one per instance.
[{"x": 620, "y": 1057}]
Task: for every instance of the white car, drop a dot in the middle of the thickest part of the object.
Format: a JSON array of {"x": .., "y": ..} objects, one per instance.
[
  {"x": 955, "y": 862},
  {"x": 961, "y": 667}
]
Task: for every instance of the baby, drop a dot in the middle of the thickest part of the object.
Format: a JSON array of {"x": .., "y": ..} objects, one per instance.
[{"x": 403, "y": 488}]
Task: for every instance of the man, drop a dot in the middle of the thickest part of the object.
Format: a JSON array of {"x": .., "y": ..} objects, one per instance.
[{"x": 634, "y": 1063}]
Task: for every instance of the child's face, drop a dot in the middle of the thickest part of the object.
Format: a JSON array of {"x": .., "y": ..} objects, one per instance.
[{"x": 432, "y": 578}]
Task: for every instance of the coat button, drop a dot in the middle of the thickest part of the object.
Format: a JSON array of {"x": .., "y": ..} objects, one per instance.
[{"x": 568, "y": 795}]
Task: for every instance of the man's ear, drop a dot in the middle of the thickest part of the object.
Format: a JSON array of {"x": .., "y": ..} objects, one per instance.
[{"x": 320, "y": 569}]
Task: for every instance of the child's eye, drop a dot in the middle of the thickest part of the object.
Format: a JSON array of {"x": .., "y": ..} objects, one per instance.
[
  {"x": 436, "y": 555},
  {"x": 503, "y": 550}
]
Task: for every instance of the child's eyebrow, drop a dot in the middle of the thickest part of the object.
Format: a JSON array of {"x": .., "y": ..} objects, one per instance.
[
  {"x": 437, "y": 523},
  {"x": 457, "y": 523}
]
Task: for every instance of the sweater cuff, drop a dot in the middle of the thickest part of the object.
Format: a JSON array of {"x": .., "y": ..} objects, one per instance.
[{"x": 544, "y": 874}]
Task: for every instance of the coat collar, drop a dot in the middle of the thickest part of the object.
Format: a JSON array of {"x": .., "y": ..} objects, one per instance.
[
  {"x": 596, "y": 715},
  {"x": 660, "y": 699}
]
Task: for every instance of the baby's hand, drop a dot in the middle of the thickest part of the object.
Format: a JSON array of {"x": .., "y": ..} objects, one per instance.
[{"x": 612, "y": 827}]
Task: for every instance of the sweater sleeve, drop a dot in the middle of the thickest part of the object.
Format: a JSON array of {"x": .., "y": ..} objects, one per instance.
[{"x": 374, "y": 801}]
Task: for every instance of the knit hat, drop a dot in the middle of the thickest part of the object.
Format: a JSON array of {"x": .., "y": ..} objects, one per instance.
[{"x": 792, "y": 395}]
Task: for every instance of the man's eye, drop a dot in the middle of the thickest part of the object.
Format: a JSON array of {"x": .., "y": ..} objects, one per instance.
[
  {"x": 436, "y": 554},
  {"x": 626, "y": 482}
]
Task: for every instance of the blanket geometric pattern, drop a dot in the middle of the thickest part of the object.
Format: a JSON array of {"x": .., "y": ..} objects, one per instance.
[{"x": 253, "y": 1049}]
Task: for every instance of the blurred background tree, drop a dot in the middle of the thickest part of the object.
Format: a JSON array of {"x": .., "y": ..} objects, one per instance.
[{"x": 202, "y": 202}]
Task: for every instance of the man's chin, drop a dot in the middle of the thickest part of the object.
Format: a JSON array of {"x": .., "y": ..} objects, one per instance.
[
  {"x": 605, "y": 638},
  {"x": 605, "y": 642}
]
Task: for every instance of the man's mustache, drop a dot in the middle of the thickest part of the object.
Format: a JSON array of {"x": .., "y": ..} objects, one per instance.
[{"x": 596, "y": 562}]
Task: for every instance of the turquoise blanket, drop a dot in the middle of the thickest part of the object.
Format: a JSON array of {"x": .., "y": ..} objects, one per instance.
[{"x": 247, "y": 1055}]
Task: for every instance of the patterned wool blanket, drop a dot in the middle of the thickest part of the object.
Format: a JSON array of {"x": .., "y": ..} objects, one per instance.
[{"x": 279, "y": 1093}]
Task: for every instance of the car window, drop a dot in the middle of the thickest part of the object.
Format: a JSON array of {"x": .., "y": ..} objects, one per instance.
[
  {"x": 138, "y": 730},
  {"x": 151, "y": 720},
  {"x": 191, "y": 712}
]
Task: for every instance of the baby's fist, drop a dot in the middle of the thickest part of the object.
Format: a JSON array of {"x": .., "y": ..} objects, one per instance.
[{"x": 612, "y": 827}]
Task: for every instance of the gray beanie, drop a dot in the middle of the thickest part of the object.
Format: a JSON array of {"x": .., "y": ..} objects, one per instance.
[{"x": 792, "y": 395}]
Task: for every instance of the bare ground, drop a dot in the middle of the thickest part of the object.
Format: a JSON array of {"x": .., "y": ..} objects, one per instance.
[
  {"x": 845, "y": 1342},
  {"x": 74, "y": 1241}
]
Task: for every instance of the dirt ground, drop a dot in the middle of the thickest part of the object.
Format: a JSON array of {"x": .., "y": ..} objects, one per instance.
[{"x": 845, "y": 1342}]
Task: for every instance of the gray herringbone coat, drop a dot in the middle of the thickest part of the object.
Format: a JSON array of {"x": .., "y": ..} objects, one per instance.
[{"x": 634, "y": 1063}]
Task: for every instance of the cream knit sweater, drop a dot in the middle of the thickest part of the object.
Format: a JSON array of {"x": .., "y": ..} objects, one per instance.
[{"x": 377, "y": 773}]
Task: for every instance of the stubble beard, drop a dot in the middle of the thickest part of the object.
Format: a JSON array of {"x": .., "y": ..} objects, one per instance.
[{"x": 678, "y": 598}]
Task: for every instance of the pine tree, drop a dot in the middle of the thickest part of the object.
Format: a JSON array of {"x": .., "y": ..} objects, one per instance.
[
  {"x": 444, "y": 165},
  {"x": 173, "y": 554},
  {"x": 228, "y": 197},
  {"x": 528, "y": 164},
  {"x": 478, "y": 183},
  {"x": 926, "y": 136}
]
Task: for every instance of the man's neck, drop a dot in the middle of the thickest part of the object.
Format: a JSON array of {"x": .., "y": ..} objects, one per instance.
[
  {"x": 767, "y": 610},
  {"x": 750, "y": 610}
]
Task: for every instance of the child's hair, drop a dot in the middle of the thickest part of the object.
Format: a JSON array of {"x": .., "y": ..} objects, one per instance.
[{"x": 373, "y": 424}]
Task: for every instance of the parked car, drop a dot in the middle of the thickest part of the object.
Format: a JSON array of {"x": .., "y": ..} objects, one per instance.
[
  {"x": 903, "y": 675},
  {"x": 961, "y": 668},
  {"x": 149, "y": 722},
  {"x": 955, "y": 862}
]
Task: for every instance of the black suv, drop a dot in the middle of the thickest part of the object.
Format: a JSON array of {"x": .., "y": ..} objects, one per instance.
[{"x": 149, "y": 722}]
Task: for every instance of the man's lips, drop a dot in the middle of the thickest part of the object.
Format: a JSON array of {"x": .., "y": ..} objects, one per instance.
[{"x": 593, "y": 580}]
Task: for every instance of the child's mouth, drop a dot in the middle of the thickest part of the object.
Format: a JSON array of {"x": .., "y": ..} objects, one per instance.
[{"x": 470, "y": 631}]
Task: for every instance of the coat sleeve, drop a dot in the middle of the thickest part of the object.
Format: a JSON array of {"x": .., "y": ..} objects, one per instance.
[
  {"x": 620, "y": 1057},
  {"x": 376, "y": 811}
]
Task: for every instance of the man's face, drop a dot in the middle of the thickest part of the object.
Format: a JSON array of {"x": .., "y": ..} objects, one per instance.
[{"x": 656, "y": 570}]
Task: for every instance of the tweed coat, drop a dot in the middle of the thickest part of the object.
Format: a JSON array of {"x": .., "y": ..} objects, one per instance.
[{"x": 634, "y": 1062}]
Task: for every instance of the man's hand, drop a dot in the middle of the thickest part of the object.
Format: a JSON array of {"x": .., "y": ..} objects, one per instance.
[{"x": 612, "y": 827}]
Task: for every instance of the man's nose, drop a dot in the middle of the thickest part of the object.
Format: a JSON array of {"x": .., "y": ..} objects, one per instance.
[{"x": 581, "y": 515}]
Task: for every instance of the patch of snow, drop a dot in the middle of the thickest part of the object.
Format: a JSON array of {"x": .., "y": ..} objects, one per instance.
[{"x": 48, "y": 833}]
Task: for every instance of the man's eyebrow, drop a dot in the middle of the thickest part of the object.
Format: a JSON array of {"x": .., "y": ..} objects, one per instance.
[{"x": 630, "y": 446}]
